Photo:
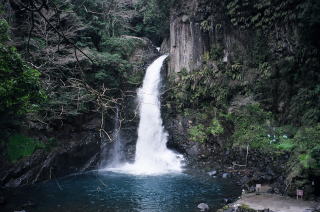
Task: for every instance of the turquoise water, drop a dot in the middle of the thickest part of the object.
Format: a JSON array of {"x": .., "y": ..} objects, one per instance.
[{"x": 108, "y": 191}]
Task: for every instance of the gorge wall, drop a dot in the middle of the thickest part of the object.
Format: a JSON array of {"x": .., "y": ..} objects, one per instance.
[{"x": 244, "y": 66}]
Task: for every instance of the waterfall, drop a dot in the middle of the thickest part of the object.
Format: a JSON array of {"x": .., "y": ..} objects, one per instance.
[
  {"x": 112, "y": 155},
  {"x": 116, "y": 154},
  {"x": 152, "y": 155}
]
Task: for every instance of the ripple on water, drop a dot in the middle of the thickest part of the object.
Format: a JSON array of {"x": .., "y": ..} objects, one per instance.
[{"x": 108, "y": 191}]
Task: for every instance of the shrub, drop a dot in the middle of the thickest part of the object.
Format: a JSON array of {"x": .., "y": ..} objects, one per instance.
[
  {"x": 250, "y": 124},
  {"x": 4, "y": 30},
  {"x": 215, "y": 128},
  {"x": 308, "y": 137},
  {"x": 197, "y": 133},
  {"x": 20, "y": 90},
  {"x": 201, "y": 133}
]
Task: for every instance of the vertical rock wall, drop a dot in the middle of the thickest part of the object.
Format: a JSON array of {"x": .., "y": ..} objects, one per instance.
[
  {"x": 187, "y": 43},
  {"x": 196, "y": 26}
]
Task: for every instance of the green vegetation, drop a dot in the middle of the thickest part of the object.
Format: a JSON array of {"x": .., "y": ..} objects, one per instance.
[
  {"x": 204, "y": 125},
  {"x": 215, "y": 128},
  {"x": 266, "y": 96},
  {"x": 199, "y": 89},
  {"x": 4, "y": 31},
  {"x": 20, "y": 90},
  {"x": 48, "y": 79},
  {"x": 153, "y": 21},
  {"x": 19, "y": 84},
  {"x": 20, "y": 146},
  {"x": 198, "y": 133},
  {"x": 252, "y": 127}
]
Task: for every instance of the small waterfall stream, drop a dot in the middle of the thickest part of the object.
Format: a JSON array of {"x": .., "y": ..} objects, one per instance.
[
  {"x": 116, "y": 154},
  {"x": 152, "y": 155}
]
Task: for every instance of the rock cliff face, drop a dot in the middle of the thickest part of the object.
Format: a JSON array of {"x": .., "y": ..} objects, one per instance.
[
  {"x": 189, "y": 39},
  {"x": 186, "y": 43},
  {"x": 198, "y": 25},
  {"x": 78, "y": 149},
  {"x": 237, "y": 65}
]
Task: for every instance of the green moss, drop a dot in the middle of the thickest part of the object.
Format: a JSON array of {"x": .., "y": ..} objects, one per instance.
[{"x": 20, "y": 146}]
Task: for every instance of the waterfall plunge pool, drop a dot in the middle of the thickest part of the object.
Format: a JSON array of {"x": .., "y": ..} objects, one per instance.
[
  {"x": 108, "y": 191},
  {"x": 156, "y": 182}
]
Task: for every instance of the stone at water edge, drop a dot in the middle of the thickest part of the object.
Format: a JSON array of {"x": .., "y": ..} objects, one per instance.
[
  {"x": 212, "y": 173},
  {"x": 225, "y": 175},
  {"x": 203, "y": 207},
  {"x": 227, "y": 200}
]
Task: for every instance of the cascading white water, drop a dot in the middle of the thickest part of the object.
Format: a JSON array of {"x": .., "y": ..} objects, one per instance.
[
  {"x": 112, "y": 154},
  {"x": 116, "y": 154},
  {"x": 152, "y": 155}
]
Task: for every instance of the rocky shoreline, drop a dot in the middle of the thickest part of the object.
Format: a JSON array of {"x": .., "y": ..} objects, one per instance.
[{"x": 266, "y": 202}]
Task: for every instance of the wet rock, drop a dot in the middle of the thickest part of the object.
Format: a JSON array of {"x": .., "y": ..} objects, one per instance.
[
  {"x": 276, "y": 190},
  {"x": 252, "y": 189},
  {"x": 203, "y": 207},
  {"x": 212, "y": 173},
  {"x": 145, "y": 53},
  {"x": 225, "y": 175},
  {"x": 227, "y": 200},
  {"x": 63, "y": 160}
]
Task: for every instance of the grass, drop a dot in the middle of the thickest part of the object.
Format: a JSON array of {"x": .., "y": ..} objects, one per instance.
[{"x": 20, "y": 146}]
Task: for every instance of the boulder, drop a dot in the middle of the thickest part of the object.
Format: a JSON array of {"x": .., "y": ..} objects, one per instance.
[
  {"x": 203, "y": 207},
  {"x": 212, "y": 173},
  {"x": 227, "y": 200}
]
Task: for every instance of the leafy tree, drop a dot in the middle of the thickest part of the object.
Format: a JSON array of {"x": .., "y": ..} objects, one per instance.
[
  {"x": 19, "y": 83},
  {"x": 154, "y": 19}
]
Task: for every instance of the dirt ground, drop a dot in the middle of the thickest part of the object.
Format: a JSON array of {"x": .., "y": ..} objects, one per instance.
[{"x": 276, "y": 203}]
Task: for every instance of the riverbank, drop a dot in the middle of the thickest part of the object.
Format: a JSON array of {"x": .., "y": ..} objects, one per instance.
[{"x": 273, "y": 202}]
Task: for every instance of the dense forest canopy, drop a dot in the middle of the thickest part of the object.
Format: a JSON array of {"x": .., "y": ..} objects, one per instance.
[{"x": 78, "y": 47}]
